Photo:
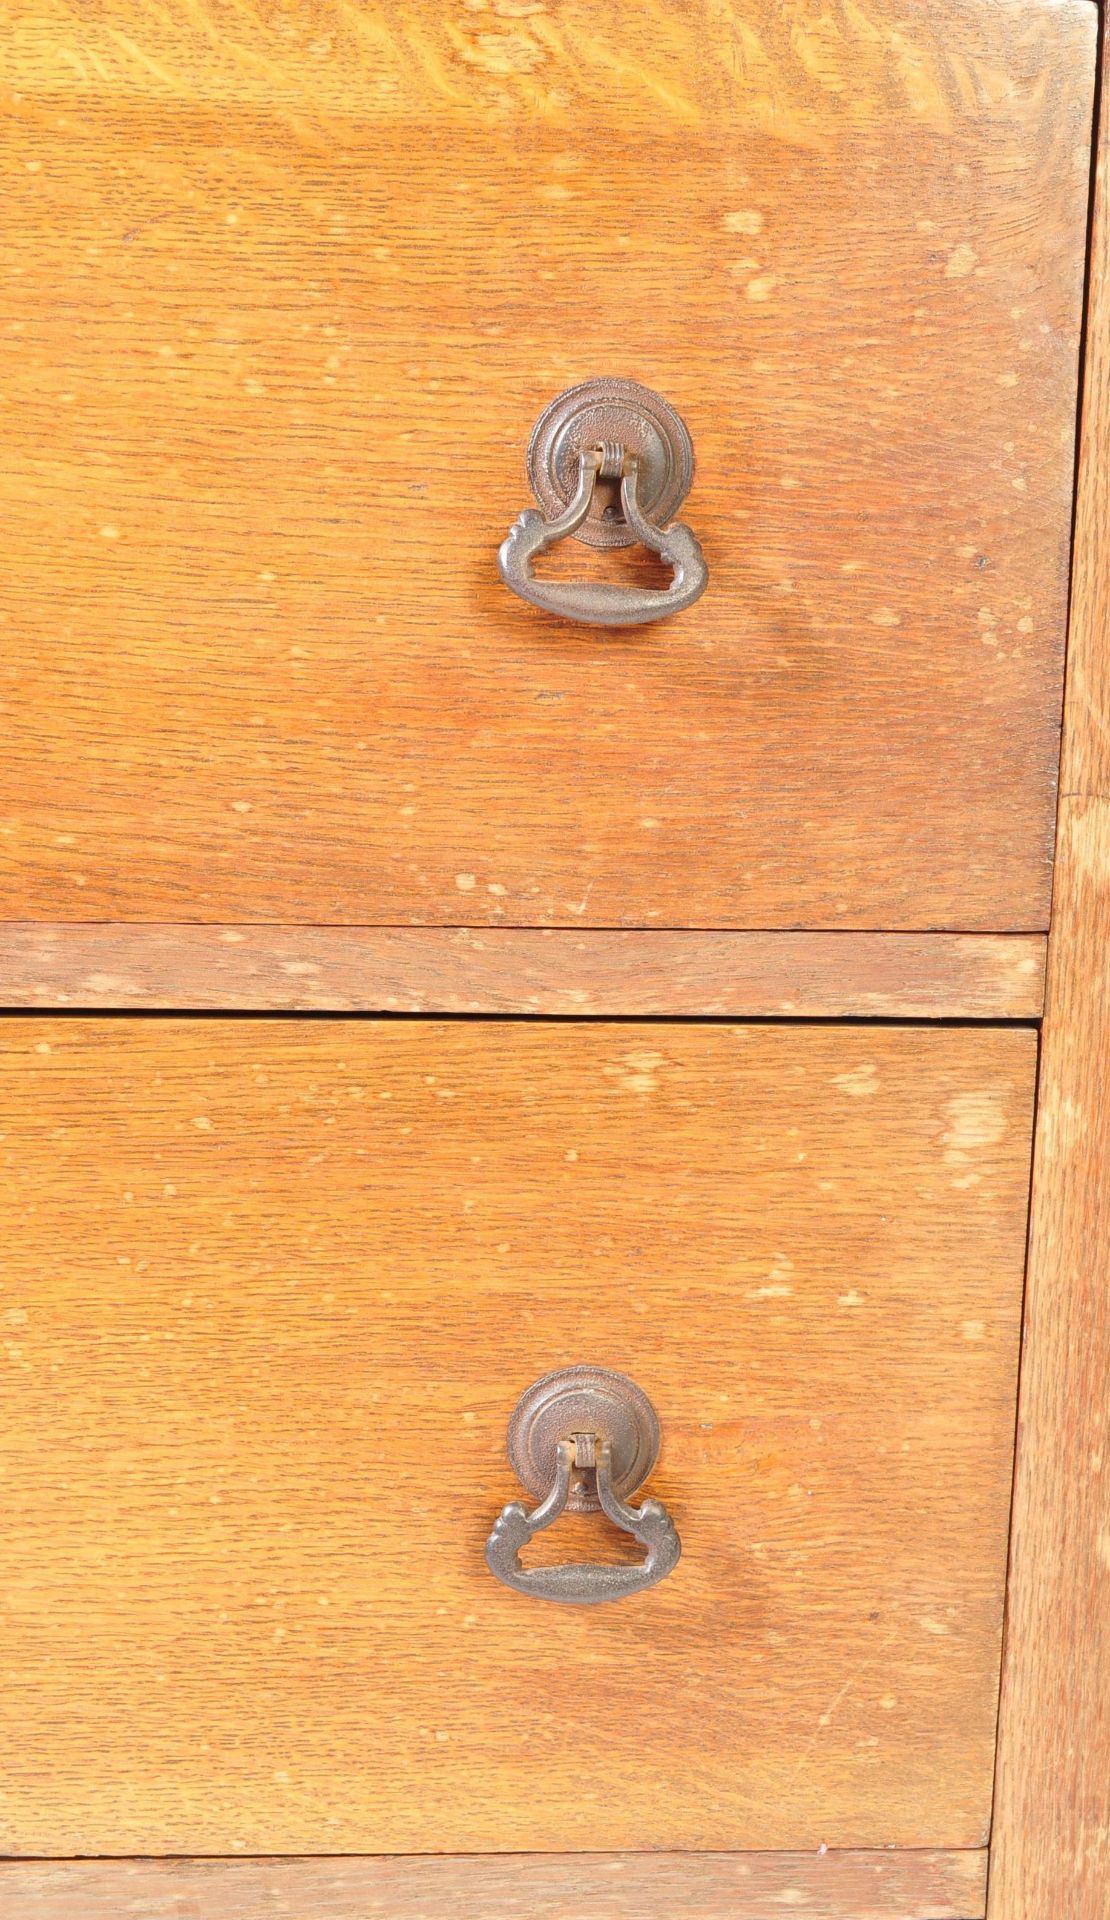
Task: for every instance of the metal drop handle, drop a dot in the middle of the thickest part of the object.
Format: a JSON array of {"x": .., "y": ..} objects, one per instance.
[
  {"x": 610, "y": 461},
  {"x": 614, "y": 1437}
]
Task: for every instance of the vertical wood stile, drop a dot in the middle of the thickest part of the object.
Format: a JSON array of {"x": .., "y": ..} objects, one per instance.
[{"x": 1051, "y": 1852}]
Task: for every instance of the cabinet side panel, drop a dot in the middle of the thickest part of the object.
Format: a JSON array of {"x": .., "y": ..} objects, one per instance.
[{"x": 1052, "y": 1829}]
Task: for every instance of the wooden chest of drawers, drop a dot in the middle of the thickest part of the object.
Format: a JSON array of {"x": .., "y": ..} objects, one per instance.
[{"x": 415, "y": 994}]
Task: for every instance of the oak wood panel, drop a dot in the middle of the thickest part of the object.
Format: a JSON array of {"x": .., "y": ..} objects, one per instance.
[
  {"x": 510, "y": 970},
  {"x": 271, "y": 1291},
  {"x": 608, "y": 1886},
  {"x": 1052, "y": 1836},
  {"x": 286, "y": 290}
]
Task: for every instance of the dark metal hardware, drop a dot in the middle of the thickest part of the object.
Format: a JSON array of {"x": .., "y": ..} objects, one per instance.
[
  {"x": 582, "y": 1438},
  {"x": 609, "y": 462}
]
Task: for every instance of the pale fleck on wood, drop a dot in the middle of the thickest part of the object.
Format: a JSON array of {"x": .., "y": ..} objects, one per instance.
[
  {"x": 560, "y": 1886},
  {"x": 510, "y": 970},
  {"x": 285, "y": 289},
  {"x": 271, "y": 1289},
  {"x": 1051, "y": 1851}
]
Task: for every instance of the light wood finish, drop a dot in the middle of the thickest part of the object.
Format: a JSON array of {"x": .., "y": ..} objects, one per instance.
[
  {"x": 1052, "y": 1835},
  {"x": 509, "y": 970},
  {"x": 284, "y": 293},
  {"x": 271, "y": 1291},
  {"x": 607, "y": 1886}
]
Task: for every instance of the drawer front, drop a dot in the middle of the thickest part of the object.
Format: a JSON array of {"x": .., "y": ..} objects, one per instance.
[
  {"x": 272, "y": 1289},
  {"x": 285, "y": 301}
]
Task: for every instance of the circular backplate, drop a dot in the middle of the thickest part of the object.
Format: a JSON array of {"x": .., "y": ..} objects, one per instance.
[
  {"x": 583, "y": 1400},
  {"x": 637, "y": 419}
]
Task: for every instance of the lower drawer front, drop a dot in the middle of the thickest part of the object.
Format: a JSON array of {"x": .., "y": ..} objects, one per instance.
[{"x": 271, "y": 1291}]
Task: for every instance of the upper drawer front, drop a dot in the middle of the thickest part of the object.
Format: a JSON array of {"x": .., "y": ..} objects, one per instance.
[
  {"x": 272, "y": 1289},
  {"x": 285, "y": 299}
]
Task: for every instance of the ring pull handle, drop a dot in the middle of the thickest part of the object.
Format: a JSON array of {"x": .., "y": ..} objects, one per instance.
[
  {"x": 583, "y": 1464},
  {"x": 609, "y": 462},
  {"x": 595, "y": 603}
]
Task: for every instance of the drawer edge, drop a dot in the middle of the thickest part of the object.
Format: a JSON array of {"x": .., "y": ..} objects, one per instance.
[
  {"x": 850, "y": 1885},
  {"x": 460, "y": 970}
]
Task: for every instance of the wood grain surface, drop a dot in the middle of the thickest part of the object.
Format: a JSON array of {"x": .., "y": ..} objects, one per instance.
[
  {"x": 286, "y": 288},
  {"x": 511, "y": 970},
  {"x": 1052, "y": 1835},
  {"x": 271, "y": 1291},
  {"x": 833, "y": 1886}
]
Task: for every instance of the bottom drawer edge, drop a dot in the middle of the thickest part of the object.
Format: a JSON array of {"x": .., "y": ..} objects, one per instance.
[{"x": 849, "y": 1885}]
